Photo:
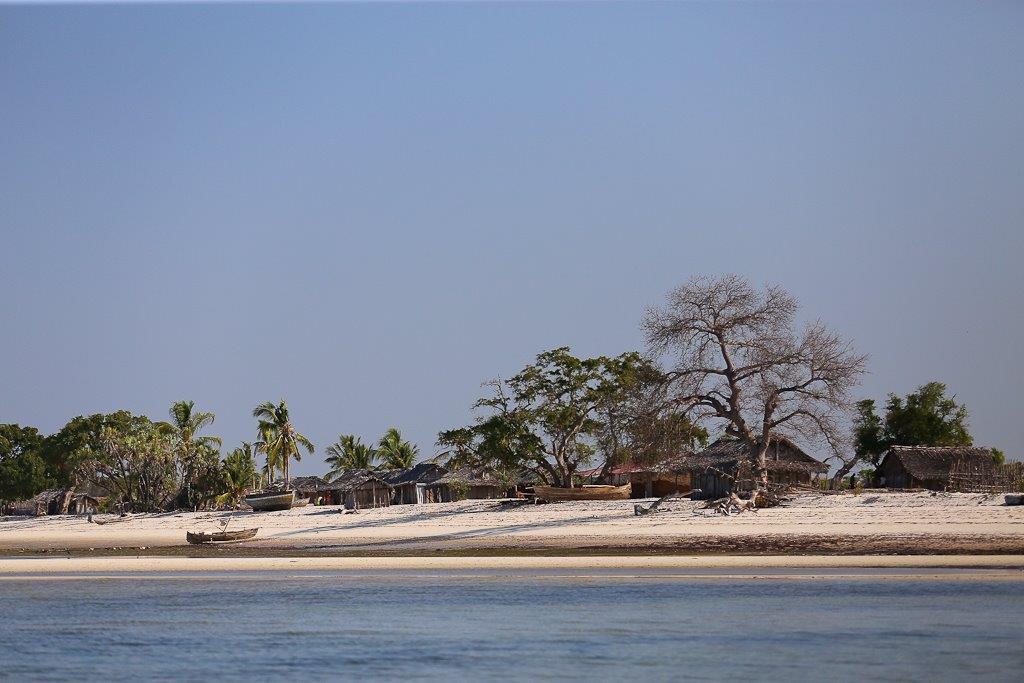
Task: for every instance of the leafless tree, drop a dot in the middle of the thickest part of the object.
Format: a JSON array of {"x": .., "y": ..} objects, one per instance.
[{"x": 736, "y": 358}]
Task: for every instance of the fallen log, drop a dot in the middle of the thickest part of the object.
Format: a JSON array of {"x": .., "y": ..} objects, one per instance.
[{"x": 640, "y": 510}]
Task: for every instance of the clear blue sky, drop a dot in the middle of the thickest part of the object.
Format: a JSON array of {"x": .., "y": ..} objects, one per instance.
[{"x": 371, "y": 209}]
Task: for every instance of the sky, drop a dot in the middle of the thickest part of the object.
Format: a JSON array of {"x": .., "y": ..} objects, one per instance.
[{"x": 370, "y": 209}]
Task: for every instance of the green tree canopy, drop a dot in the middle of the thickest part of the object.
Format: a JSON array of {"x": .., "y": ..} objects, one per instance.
[
  {"x": 22, "y": 468},
  {"x": 196, "y": 454},
  {"x": 279, "y": 439},
  {"x": 548, "y": 417},
  {"x": 394, "y": 452},
  {"x": 926, "y": 417},
  {"x": 349, "y": 453}
]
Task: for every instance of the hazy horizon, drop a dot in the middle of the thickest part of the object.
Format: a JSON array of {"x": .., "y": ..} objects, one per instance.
[{"x": 370, "y": 209}]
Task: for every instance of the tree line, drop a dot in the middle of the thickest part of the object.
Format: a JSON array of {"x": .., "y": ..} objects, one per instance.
[{"x": 723, "y": 357}]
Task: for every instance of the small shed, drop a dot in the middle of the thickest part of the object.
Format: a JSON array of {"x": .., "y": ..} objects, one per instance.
[
  {"x": 357, "y": 489},
  {"x": 929, "y": 467},
  {"x": 410, "y": 484},
  {"x": 310, "y": 488},
  {"x": 49, "y": 503},
  {"x": 646, "y": 481},
  {"x": 717, "y": 468},
  {"x": 462, "y": 484}
]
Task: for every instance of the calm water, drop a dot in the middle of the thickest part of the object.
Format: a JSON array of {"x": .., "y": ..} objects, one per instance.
[{"x": 459, "y": 626}]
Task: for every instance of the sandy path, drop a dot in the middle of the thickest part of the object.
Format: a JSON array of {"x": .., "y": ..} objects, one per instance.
[{"x": 900, "y": 523}]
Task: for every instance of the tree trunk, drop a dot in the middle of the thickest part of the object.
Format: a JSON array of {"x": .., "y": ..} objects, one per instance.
[{"x": 65, "y": 502}]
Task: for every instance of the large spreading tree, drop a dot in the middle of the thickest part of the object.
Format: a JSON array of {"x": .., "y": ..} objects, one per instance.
[
  {"x": 549, "y": 418},
  {"x": 736, "y": 359}
]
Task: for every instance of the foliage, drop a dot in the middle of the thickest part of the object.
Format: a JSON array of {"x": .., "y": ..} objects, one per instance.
[
  {"x": 278, "y": 438},
  {"x": 926, "y": 417},
  {"x": 22, "y": 468},
  {"x": 349, "y": 453},
  {"x": 998, "y": 457},
  {"x": 548, "y": 417},
  {"x": 394, "y": 452},
  {"x": 238, "y": 473},
  {"x": 196, "y": 454},
  {"x": 136, "y": 464}
]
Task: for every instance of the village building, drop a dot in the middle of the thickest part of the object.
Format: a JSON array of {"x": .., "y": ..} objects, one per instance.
[
  {"x": 49, "y": 503},
  {"x": 931, "y": 467},
  {"x": 646, "y": 481},
  {"x": 716, "y": 469},
  {"x": 357, "y": 489},
  {"x": 309, "y": 488},
  {"x": 410, "y": 485},
  {"x": 462, "y": 484}
]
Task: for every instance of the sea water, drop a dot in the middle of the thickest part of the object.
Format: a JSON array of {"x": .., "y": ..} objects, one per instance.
[{"x": 489, "y": 626}]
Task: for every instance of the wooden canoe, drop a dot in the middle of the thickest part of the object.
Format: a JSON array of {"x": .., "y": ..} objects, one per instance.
[
  {"x": 197, "y": 537},
  {"x": 109, "y": 520},
  {"x": 553, "y": 494},
  {"x": 267, "y": 502}
]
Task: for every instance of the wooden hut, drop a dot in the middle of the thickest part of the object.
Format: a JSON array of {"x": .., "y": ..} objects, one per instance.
[
  {"x": 646, "y": 481},
  {"x": 410, "y": 485},
  {"x": 462, "y": 484},
  {"x": 929, "y": 467},
  {"x": 357, "y": 489},
  {"x": 310, "y": 488},
  {"x": 717, "y": 468},
  {"x": 49, "y": 503}
]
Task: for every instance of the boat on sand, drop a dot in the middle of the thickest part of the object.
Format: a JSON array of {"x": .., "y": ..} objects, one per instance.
[
  {"x": 198, "y": 537},
  {"x": 267, "y": 502},
  {"x": 554, "y": 494}
]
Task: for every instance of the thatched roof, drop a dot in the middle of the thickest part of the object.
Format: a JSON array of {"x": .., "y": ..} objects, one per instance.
[
  {"x": 422, "y": 473},
  {"x": 469, "y": 476},
  {"x": 935, "y": 462},
  {"x": 350, "y": 480},
  {"x": 726, "y": 455},
  {"x": 308, "y": 484}
]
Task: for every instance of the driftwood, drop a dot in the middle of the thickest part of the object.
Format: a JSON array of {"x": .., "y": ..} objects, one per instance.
[{"x": 640, "y": 510}]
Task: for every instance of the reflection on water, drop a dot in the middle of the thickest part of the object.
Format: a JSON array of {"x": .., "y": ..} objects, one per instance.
[{"x": 462, "y": 626}]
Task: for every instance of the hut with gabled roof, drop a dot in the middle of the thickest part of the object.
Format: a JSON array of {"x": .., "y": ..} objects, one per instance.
[
  {"x": 49, "y": 503},
  {"x": 357, "y": 489},
  {"x": 929, "y": 467},
  {"x": 410, "y": 484},
  {"x": 464, "y": 483},
  {"x": 310, "y": 488},
  {"x": 716, "y": 470}
]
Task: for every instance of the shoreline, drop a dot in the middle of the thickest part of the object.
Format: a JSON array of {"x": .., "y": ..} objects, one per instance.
[{"x": 596, "y": 566}]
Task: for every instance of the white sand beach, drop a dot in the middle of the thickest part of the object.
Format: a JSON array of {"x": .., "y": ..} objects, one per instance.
[{"x": 887, "y": 523}]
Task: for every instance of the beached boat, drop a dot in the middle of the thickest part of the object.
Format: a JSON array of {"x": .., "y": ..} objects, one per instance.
[
  {"x": 267, "y": 502},
  {"x": 197, "y": 537},
  {"x": 300, "y": 502},
  {"x": 109, "y": 520},
  {"x": 554, "y": 494}
]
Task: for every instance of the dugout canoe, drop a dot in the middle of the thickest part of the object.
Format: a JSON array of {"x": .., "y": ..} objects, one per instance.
[
  {"x": 198, "y": 537},
  {"x": 554, "y": 494}
]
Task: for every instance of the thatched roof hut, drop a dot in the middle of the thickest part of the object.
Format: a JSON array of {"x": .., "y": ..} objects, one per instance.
[
  {"x": 49, "y": 502},
  {"x": 310, "y": 488},
  {"x": 930, "y": 467},
  {"x": 358, "y": 489},
  {"x": 410, "y": 484},
  {"x": 464, "y": 483},
  {"x": 716, "y": 469}
]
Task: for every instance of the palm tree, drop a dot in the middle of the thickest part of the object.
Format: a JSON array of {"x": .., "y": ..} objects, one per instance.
[
  {"x": 239, "y": 473},
  {"x": 183, "y": 430},
  {"x": 280, "y": 441},
  {"x": 349, "y": 453},
  {"x": 395, "y": 453}
]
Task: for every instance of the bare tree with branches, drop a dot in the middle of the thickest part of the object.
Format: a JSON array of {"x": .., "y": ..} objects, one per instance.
[{"x": 737, "y": 359}]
